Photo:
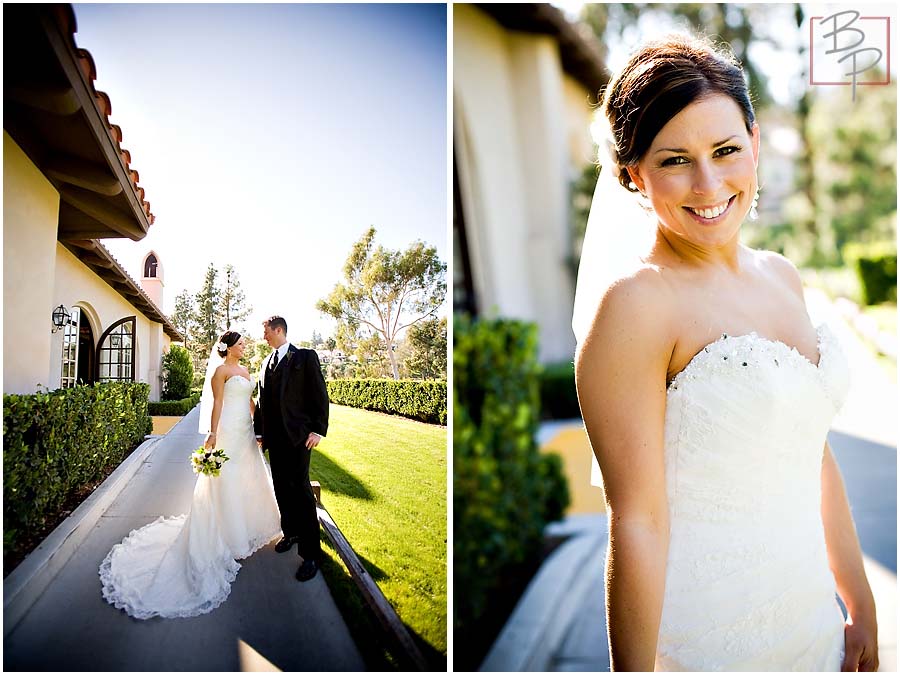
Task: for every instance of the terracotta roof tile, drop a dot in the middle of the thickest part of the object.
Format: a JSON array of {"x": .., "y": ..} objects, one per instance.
[{"x": 65, "y": 17}]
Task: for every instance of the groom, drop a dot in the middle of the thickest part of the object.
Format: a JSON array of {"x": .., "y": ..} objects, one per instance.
[{"x": 291, "y": 418}]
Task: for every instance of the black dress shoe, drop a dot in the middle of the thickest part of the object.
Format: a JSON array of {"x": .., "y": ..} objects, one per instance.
[
  {"x": 285, "y": 544},
  {"x": 307, "y": 570}
]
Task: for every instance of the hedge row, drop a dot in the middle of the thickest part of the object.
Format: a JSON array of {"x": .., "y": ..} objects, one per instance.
[
  {"x": 174, "y": 408},
  {"x": 505, "y": 490},
  {"x": 876, "y": 267},
  {"x": 559, "y": 400},
  {"x": 56, "y": 443},
  {"x": 420, "y": 400}
]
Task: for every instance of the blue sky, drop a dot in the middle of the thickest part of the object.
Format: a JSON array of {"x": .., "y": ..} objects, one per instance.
[{"x": 271, "y": 136}]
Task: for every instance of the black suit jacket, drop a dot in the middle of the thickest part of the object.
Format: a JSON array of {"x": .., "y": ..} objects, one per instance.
[{"x": 303, "y": 397}]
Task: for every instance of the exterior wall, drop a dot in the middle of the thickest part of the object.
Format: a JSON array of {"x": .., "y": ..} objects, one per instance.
[
  {"x": 489, "y": 165},
  {"x": 154, "y": 288},
  {"x": 521, "y": 135},
  {"x": 76, "y": 284},
  {"x": 579, "y": 117},
  {"x": 30, "y": 222}
]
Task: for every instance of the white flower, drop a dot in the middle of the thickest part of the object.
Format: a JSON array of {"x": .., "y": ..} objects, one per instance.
[{"x": 221, "y": 347}]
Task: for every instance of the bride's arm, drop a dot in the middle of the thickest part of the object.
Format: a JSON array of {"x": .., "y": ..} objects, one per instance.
[
  {"x": 218, "y": 387},
  {"x": 620, "y": 373},
  {"x": 846, "y": 562}
]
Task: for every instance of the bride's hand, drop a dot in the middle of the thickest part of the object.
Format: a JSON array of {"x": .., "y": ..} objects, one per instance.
[
  {"x": 860, "y": 646},
  {"x": 210, "y": 441}
]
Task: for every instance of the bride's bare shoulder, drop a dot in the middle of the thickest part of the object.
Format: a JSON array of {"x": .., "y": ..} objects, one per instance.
[
  {"x": 780, "y": 268},
  {"x": 637, "y": 309}
]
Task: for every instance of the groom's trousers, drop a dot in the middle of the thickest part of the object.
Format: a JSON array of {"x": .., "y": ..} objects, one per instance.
[{"x": 296, "y": 500}]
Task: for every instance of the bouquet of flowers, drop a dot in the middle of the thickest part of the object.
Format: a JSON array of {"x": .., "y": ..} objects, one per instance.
[{"x": 208, "y": 462}]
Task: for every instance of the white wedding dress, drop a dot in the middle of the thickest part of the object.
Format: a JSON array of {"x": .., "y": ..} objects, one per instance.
[
  {"x": 748, "y": 586},
  {"x": 184, "y": 565}
]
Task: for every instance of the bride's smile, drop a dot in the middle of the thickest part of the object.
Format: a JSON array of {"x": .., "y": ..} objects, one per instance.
[{"x": 700, "y": 172}]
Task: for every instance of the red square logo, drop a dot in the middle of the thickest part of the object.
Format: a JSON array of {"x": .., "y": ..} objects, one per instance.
[{"x": 848, "y": 49}]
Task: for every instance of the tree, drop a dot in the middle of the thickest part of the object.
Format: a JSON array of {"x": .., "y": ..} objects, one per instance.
[
  {"x": 387, "y": 291},
  {"x": 207, "y": 319},
  {"x": 428, "y": 349},
  {"x": 259, "y": 351},
  {"x": 234, "y": 306},
  {"x": 178, "y": 373},
  {"x": 183, "y": 316}
]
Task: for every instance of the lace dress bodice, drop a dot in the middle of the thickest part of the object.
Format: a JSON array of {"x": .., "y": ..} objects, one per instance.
[{"x": 748, "y": 586}]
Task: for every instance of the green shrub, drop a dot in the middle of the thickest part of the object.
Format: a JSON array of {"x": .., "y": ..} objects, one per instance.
[
  {"x": 174, "y": 408},
  {"x": 425, "y": 401},
  {"x": 876, "y": 267},
  {"x": 504, "y": 490},
  {"x": 178, "y": 373},
  {"x": 56, "y": 443},
  {"x": 559, "y": 400}
]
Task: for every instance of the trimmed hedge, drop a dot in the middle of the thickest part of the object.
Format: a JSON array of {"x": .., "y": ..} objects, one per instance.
[
  {"x": 876, "y": 267},
  {"x": 505, "y": 490},
  {"x": 55, "y": 443},
  {"x": 174, "y": 408},
  {"x": 178, "y": 373},
  {"x": 559, "y": 399},
  {"x": 423, "y": 400}
]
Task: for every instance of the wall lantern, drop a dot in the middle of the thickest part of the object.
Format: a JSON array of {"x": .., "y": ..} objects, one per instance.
[{"x": 60, "y": 317}]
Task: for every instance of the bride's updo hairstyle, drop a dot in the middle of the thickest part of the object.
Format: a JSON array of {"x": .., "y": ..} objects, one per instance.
[
  {"x": 229, "y": 339},
  {"x": 658, "y": 82}
]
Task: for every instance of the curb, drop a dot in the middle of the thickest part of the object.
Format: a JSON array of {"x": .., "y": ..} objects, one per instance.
[
  {"x": 542, "y": 618},
  {"x": 27, "y": 582}
]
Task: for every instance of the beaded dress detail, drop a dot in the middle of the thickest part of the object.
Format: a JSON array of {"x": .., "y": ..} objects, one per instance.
[
  {"x": 748, "y": 586},
  {"x": 184, "y": 565}
]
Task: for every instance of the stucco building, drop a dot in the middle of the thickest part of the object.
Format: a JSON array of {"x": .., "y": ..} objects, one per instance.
[
  {"x": 71, "y": 313},
  {"x": 524, "y": 79}
]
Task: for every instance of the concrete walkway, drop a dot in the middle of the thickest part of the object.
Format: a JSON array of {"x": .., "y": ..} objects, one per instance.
[
  {"x": 269, "y": 622},
  {"x": 560, "y": 621}
]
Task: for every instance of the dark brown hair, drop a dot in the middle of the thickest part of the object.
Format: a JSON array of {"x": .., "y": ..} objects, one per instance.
[
  {"x": 276, "y": 321},
  {"x": 230, "y": 339},
  {"x": 659, "y": 81}
]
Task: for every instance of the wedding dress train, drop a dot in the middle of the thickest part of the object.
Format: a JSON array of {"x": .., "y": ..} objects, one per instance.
[
  {"x": 183, "y": 566},
  {"x": 748, "y": 586}
]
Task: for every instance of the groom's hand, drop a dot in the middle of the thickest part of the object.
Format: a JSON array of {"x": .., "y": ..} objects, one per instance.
[{"x": 312, "y": 440}]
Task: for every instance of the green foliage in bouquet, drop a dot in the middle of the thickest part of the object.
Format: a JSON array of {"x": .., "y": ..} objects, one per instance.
[
  {"x": 504, "y": 490},
  {"x": 208, "y": 462},
  {"x": 57, "y": 443}
]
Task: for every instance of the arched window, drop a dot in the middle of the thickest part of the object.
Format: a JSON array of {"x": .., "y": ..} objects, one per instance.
[
  {"x": 150, "y": 265},
  {"x": 69, "y": 372},
  {"x": 115, "y": 355}
]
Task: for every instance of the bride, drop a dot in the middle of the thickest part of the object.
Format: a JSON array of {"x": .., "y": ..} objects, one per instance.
[
  {"x": 707, "y": 395},
  {"x": 184, "y": 565}
]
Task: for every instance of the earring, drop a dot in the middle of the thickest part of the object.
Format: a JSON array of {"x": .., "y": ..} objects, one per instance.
[{"x": 754, "y": 214}]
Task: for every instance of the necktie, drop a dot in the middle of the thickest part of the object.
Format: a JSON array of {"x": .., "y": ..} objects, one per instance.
[{"x": 274, "y": 360}]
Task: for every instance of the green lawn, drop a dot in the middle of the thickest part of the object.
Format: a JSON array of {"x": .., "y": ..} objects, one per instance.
[{"x": 384, "y": 482}]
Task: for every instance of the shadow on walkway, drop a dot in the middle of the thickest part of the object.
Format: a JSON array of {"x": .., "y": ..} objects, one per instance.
[{"x": 268, "y": 620}]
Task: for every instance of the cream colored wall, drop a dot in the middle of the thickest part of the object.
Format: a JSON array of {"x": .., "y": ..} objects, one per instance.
[
  {"x": 515, "y": 133},
  {"x": 76, "y": 284},
  {"x": 579, "y": 117},
  {"x": 30, "y": 221},
  {"x": 486, "y": 145}
]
